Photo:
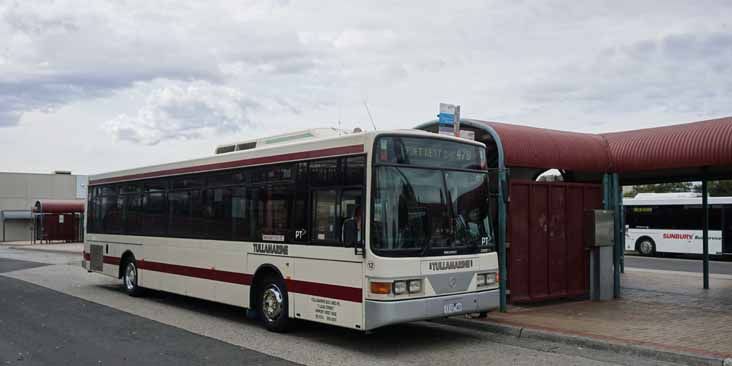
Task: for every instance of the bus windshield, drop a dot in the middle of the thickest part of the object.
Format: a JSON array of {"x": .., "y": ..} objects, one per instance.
[{"x": 420, "y": 210}]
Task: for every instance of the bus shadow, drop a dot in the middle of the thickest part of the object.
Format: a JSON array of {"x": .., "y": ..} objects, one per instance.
[{"x": 384, "y": 341}]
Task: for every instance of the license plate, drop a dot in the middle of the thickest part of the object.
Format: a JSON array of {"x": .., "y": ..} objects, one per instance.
[{"x": 453, "y": 307}]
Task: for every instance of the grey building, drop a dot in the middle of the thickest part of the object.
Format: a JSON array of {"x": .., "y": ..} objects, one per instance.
[{"x": 20, "y": 191}]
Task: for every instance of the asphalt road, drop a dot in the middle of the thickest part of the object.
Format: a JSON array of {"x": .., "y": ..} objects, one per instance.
[
  {"x": 677, "y": 264},
  {"x": 58, "y": 314},
  {"x": 39, "y": 326}
]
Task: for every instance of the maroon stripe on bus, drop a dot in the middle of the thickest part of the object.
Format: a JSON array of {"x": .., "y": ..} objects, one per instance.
[
  {"x": 205, "y": 273},
  {"x": 345, "y": 293},
  {"x": 342, "y": 150},
  {"x": 111, "y": 260},
  {"x": 106, "y": 259}
]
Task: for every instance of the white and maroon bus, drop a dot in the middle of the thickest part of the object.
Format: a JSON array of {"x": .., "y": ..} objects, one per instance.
[
  {"x": 673, "y": 222},
  {"x": 358, "y": 230}
]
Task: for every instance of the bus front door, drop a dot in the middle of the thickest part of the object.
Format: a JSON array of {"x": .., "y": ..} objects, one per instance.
[{"x": 727, "y": 229}]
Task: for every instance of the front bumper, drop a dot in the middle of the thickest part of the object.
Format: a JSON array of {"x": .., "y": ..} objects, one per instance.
[{"x": 381, "y": 313}]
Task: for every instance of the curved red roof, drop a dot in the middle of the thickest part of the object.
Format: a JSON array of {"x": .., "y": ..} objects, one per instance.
[
  {"x": 690, "y": 145},
  {"x": 533, "y": 147},
  {"x": 663, "y": 153},
  {"x": 59, "y": 206}
]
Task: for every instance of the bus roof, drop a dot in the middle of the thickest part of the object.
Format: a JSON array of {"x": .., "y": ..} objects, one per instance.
[
  {"x": 319, "y": 145},
  {"x": 313, "y": 133}
]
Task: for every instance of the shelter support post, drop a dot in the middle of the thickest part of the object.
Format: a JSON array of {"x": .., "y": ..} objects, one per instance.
[
  {"x": 606, "y": 206},
  {"x": 705, "y": 239},
  {"x": 610, "y": 198},
  {"x": 617, "y": 200},
  {"x": 621, "y": 227},
  {"x": 502, "y": 203}
]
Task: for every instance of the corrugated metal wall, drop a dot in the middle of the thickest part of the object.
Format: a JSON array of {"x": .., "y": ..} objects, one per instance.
[
  {"x": 60, "y": 227},
  {"x": 698, "y": 144},
  {"x": 547, "y": 258}
]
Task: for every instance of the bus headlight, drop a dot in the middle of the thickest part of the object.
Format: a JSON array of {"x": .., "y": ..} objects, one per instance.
[
  {"x": 415, "y": 286},
  {"x": 400, "y": 287},
  {"x": 487, "y": 279},
  {"x": 481, "y": 279}
]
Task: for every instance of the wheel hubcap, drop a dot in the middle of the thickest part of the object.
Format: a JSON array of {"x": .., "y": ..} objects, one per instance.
[
  {"x": 130, "y": 276},
  {"x": 272, "y": 302},
  {"x": 646, "y": 247}
]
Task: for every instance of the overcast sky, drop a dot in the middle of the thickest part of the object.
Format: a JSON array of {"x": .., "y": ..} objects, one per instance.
[{"x": 94, "y": 86}]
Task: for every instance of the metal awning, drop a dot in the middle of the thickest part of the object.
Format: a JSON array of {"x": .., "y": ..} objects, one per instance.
[
  {"x": 683, "y": 152},
  {"x": 15, "y": 215}
]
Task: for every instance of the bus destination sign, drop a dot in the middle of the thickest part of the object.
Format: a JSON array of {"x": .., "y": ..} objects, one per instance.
[
  {"x": 430, "y": 152},
  {"x": 425, "y": 152}
]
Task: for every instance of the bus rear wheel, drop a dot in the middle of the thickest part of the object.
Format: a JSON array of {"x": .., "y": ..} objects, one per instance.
[
  {"x": 273, "y": 305},
  {"x": 646, "y": 247}
]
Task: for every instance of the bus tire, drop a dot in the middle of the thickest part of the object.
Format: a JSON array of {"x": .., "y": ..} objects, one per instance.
[
  {"x": 645, "y": 246},
  {"x": 273, "y": 306},
  {"x": 130, "y": 275}
]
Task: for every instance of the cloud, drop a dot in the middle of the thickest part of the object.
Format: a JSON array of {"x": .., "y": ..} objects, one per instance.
[
  {"x": 53, "y": 53},
  {"x": 51, "y": 93},
  {"x": 683, "y": 74},
  {"x": 538, "y": 62},
  {"x": 185, "y": 111}
]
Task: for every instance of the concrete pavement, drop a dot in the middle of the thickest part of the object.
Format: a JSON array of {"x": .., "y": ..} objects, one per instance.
[
  {"x": 659, "y": 310},
  {"x": 73, "y": 248},
  {"x": 44, "y": 327},
  {"x": 314, "y": 344}
]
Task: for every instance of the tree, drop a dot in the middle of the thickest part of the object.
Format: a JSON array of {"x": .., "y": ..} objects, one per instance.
[
  {"x": 661, "y": 188},
  {"x": 717, "y": 188}
]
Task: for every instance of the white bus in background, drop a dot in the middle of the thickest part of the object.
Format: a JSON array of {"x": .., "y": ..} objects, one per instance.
[
  {"x": 672, "y": 223},
  {"x": 358, "y": 230}
]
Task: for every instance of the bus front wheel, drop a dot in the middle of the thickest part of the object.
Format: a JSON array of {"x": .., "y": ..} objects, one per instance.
[
  {"x": 645, "y": 246},
  {"x": 273, "y": 305}
]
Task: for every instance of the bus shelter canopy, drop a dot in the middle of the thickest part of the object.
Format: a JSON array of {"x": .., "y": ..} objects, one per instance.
[
  {"x": 58, "y": 206},
  {"x": 532, "y": 147},
  {"x": 682, "y": 152}
]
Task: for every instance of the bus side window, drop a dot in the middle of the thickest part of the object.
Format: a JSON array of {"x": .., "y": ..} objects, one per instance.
[
  {"x": 300, "y": 222},
  {"x": 179, "y": 203},
  {"x": 354, "y": 170},
  {"x": 274, "y": 212},
  {"x": 351, "y": 217},
  {"x": 241, "y": 213},
  {"x": 324, "y": 215}
]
